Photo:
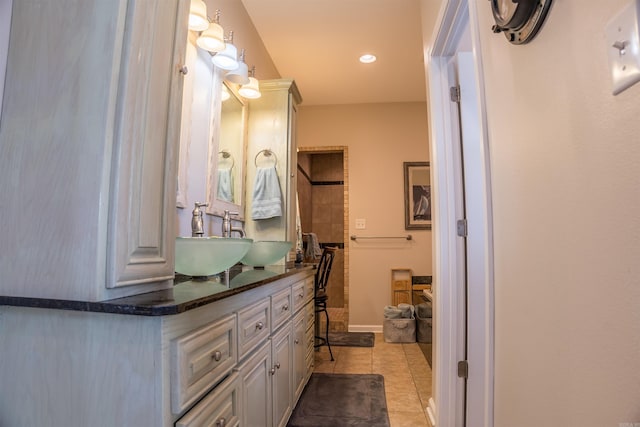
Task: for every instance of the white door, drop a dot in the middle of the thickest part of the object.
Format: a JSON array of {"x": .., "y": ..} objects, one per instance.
[
  {"x": 460, "y": 218},
  {"x": 478, "y": 314},
  {"x": 463, "y": 267}
]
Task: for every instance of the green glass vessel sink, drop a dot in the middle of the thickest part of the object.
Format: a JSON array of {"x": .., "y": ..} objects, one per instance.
[
  {"x": 265, "y": 252},
  {"x": 206, "y": 256}
]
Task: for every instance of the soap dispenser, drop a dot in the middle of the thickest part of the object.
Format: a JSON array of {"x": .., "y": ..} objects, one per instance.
[{"x": 197, "y": 224}]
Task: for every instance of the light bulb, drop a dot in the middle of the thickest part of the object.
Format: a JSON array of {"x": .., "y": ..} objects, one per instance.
[
  {"x": 198, "y": 16},
  {"x": 251, "y": 90},
  {"x": 212, "y": 39}
]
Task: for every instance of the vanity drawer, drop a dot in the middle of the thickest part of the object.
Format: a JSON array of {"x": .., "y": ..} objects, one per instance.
[
  {"x": 201, "y": 358},
  {"x": 302, "y": 292},
  {"x": 253, "y": 326},
  {"x": 310, "y": 314},
  {"x": 280, "y": 308},
  {"x": 298, "y": 295},
  {"x": 308, "y": 336},
  {"x": 219, "y": 408}
]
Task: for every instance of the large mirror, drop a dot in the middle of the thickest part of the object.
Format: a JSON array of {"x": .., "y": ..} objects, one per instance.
[
  {"x": 226, "y": 167},
  {"x": 212, "y": 141}
]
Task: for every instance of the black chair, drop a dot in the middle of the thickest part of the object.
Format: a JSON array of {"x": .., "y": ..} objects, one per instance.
[{"x": 321, "y": 297}]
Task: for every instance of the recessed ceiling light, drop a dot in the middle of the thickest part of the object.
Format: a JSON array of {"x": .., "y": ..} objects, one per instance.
[{"x": 368, "y": 58}]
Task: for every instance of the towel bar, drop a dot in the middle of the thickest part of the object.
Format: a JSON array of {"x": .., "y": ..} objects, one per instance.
[{"x": 407, "y": 237}]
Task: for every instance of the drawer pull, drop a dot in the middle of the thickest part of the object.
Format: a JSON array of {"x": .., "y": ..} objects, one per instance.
[
  {"x": 278, "y": 365},
  {"x": 216, "y": 355},
  {"x": 221, "y": 422},
  {"x": 300, "y": 296},
  {"x": 272, "y": 371},
  {"x": 297, "y": 341},
  {"x": 259, "y": 326},
  {"x": 285, "y": 307}
]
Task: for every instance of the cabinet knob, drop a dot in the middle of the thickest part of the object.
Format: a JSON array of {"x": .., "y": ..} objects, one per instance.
[
  {"x": 222, "y": 422},
  {"x": 297, "y": 341},
  {"x": 216, "y": 355},
  {"x": 272, "y": 371},
  {"x": 278, "y": 365},
  {"x": 285, "y": 307},
  {"x": 301, "y": 296},
  {"x": 259, "y": 326},
  {"x": 183, "y": 70}
]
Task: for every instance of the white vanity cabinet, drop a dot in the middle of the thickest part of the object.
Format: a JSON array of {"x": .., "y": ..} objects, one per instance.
[
  {"x": 191, "y": 369},
  {"x": 88, "y": 147},
  {"x": 274, "y": 376}
]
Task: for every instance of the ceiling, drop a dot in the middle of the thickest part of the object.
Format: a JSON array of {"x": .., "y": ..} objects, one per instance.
[{"x": 318, "y": 43}]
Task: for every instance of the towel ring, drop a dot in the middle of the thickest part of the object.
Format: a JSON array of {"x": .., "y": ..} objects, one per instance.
[
  {"x": 267, "y": 153},
  {"x": 226, "y": 155}
]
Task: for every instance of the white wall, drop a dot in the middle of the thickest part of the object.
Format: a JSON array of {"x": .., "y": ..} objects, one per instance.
[
  {"x": 379, "y": 137},
  {"x": 5, "y": 26},
  {"x": 565, "y": 157}
]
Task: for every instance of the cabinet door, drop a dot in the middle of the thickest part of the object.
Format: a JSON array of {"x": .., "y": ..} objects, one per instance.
[
  {"x": 282, "y": 385},
  {"x": 299, "y": 354},
  {"x": 147, "y": 129},
  {"x": 255, "y": 378}
]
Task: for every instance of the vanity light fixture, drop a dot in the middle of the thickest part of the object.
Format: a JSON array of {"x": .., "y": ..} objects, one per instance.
[
  {"x": 212, "y": 39},
  {"x": 227, "y": 59},
  {"x": 198, "y": 16},
  {"x": 368, "y": 58},
  {"x": 252, "y": 89},
  {"x": 240, "y": 75}
]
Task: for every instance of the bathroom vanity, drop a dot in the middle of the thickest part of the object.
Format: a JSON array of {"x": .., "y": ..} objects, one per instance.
[
  {"x": 199, "y": 354},
  {"x": 93, "y": 331}
]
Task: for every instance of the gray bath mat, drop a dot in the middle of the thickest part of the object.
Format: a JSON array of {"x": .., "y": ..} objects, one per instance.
[
  {"x": 330, "y": 400},
  {"x": 351, "y": 339}
]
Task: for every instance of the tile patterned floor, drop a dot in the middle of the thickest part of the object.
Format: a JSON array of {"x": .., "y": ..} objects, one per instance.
[{"x": 407, "y": 376}]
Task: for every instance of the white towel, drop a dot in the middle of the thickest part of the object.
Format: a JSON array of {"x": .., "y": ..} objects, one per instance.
[
  {"x": 225, "y": 185},
  {"x": 267, "y": 197}
]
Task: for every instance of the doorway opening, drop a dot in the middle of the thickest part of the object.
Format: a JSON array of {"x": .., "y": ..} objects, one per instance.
[{"x": 323, "y": 199}]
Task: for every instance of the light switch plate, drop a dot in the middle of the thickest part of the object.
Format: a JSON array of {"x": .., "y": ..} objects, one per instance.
[
  {"x": 623, "y": 44},
  {"x": 361, "y": 224}
]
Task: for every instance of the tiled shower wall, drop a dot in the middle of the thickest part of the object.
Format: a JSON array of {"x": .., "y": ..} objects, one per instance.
[{"x": 321, "y": 197}]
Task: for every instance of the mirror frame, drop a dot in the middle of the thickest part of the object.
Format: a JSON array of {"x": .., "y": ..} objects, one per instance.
[{"x": 217, "y": 207}]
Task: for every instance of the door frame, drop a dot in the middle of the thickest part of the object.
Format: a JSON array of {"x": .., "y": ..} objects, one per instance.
[{"x": 447, "y": 408}]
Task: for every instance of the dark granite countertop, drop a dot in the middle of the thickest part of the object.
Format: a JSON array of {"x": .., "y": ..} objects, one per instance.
[{"x": 185, "y": 295}]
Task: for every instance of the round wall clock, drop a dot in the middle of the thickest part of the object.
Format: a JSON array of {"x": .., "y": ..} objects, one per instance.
[{"x": 519, "y": 20}]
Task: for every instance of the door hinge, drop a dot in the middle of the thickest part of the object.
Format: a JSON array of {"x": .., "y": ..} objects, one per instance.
[
  {"x": 463, "y": 369},
  {"x": 454, "y": 93},
  {"x": 461, "y": 227}
]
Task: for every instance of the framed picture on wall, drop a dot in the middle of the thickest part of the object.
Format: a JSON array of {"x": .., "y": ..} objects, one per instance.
[{"x": 417, "y": 196}]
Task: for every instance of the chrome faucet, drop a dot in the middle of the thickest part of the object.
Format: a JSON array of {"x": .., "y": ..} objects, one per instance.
[
  {"x": 227, "y": 229},
  {"x": 197, "y": 225}
]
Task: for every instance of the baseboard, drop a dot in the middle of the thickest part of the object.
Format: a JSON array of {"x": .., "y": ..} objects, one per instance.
[
  {"x": 431, "y": 412},
  {"x": 366, "y": 328}
]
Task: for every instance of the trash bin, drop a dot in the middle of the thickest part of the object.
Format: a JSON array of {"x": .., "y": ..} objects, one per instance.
[
  {"x": 424, "y": 322},
  {"x": 399, "y": 325}
]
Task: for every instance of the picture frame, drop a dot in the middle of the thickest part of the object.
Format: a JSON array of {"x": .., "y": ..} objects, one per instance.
[{"x": 417, "y": 196}]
